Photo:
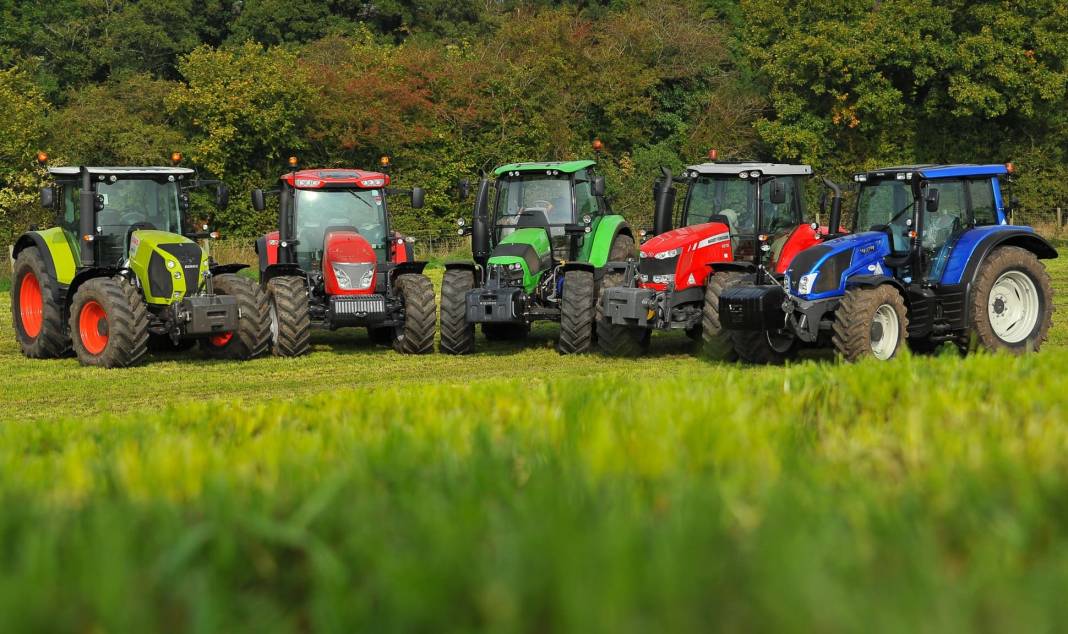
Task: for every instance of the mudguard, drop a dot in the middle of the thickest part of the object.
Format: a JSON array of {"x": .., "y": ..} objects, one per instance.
[
  {"x": 606, "y": 230},
  {"x": 871, "y": 281},
  {"x": 578, "y": 266},
  {"x": 84, "y": 276},
  {"x": 404, "y": 268},
  {"x": 277, "y": 270},
  {"x": 975, "y": 245},
  {"x": 60, "y": 257}
]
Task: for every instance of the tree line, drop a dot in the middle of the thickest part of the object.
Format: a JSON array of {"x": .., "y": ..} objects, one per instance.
[{"x": 448, "y": 88}]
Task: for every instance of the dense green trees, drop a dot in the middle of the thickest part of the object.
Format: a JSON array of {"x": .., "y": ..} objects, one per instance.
[{"x": 448, "y": 88}]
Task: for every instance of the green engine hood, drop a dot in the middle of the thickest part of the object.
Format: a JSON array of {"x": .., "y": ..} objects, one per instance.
[
  {"x": 529, "y": 248},
  {"x": 169, "y": 266}
]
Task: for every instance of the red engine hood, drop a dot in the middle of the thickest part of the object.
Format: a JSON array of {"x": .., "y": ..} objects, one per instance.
[
  {"x": 347, "y": 247},
  {"x": 682, "y": 237}
]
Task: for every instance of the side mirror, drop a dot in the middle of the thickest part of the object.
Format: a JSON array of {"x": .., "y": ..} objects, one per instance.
[
  {"x": 463, "y": 188},
  {"x": 778, "y": 192},
  {"x": 932, "y": 200},
  {"x": 222, "y": 196},
  {"x": 48, "y": 197},
  {"x": 257, "y": 200},
  {"x": 598, "y": 186},
  {"x": 418, "y": 196}
]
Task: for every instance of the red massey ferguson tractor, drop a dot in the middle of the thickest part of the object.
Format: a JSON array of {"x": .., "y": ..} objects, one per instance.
[
  {"x": 737, "y": 220},
  {"x": 335, "y": 262}
]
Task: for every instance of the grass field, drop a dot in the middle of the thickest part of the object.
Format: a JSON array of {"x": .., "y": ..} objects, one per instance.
[{"x": 519, "y": 491}]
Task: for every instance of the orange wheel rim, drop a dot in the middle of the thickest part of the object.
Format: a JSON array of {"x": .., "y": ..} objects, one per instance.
[
  {"x": 221, "y": 339},
  {"x": 93, "y": 327},
  {"x": 31, "y": 305}
]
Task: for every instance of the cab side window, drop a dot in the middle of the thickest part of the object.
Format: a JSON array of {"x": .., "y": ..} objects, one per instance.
[
  {"x": 950, "y": 217},
  {"x": 982, "y": 195},
  {"x": 585, "y": 201},
  {"x": 69, "y": 206}
]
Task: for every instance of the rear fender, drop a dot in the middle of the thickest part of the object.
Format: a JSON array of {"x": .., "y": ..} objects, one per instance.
[
  {"x": 400, "y": 250},
  {"x": 267, "y": 251},
  {"x": 61, "y": 260},
  {"x": 997, "y": 236},
  {"x": 608, "y": 227}
]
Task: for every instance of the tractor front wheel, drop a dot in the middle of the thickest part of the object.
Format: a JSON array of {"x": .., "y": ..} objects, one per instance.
[
  {"x": 416, "y": 335},
  {"x": 290, "y": 319},
  {"x": 457, "y": 335},
  {"x": 618, "y": 340},
  {"x": 716, "y": 343},
  {"x": 38, "y": 319},
  {"x": 252, "y": 337},
  {"x": 576, "y": 312},
  {"x": 622, "y": 248},
  {"x": 870, "y": 322},
  {"x": 1012, "y": 302},
  {"x": 109, "y": 323}
]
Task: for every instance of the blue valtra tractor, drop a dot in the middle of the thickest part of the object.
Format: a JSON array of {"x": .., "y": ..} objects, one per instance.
[{"x": 932, "y": 259}]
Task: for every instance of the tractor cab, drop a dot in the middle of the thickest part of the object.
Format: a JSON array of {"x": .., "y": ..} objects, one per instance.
[{"x": 565, "y": 200}]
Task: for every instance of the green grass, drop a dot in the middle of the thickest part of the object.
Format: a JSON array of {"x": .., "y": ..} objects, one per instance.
[{"x": 519, "y": 491}]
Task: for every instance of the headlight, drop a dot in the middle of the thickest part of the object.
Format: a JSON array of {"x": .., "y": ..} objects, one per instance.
[
  {"x": 663, "y": 279},
  {"x": 353, "y": 276},
  {"x": 805, "y": 284},
  {"x": 663, "y": 255}
]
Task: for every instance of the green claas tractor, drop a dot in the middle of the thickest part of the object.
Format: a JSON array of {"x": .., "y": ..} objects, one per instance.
[
  {"x": 540, "y": 236},
  {"x": 122, "y": 270}
]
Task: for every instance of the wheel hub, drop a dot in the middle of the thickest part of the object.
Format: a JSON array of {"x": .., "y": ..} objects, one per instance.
[
  {"x": 876, "y": 331},
  {"x": 999, "y": 305},
  {"x": 102, "y": 327}
]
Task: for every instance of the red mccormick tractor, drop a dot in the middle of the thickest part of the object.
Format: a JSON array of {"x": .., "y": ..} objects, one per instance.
[
  {"x": 335, "y": 263},
  {"x": 734, "y": 216}
]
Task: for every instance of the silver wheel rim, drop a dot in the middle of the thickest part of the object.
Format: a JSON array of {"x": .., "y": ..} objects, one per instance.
[
  {"x": 274, "y": 319},
  {"x": 885, "y": 331},
  {"x": 1013, "y": 306},
  {"x": 780, "y": 341}
]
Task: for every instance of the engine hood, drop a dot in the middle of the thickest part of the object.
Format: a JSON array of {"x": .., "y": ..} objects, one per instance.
[
  {"x": 828, "y": 265},
  {"x": 168, "y": 265},
  {"x": 349, "y": 264},
  {"x": 684, "y": 237}
]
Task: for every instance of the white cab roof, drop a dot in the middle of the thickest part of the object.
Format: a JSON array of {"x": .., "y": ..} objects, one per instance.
[
  {"x": 772, "y": 169},
  {"x": 157, "y": 171}
]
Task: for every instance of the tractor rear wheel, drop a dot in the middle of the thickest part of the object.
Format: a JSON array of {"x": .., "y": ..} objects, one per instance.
[
  {"x": 618, "y": 340},
  {"x": 763, "y": 347},
  {"x": 622, "y": 248},
  {"x": 576, "y": 312},
  {"x": 416, "y": 335},
  {"x": 717, "y": 343},
  {"x": 109, "y": 323},
  {"x": 870, "y": 322},
  {"x": 505, "y": 331},
  {"x": 1012, "y": 302},
  {"x": 457, "y": 335},
  {"x": 289, "y": 315},
  {"x": 38, "y": 320},
  {"x": 252, "y": 337}
]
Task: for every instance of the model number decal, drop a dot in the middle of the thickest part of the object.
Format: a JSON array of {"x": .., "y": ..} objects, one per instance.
[
  {"x": 867, "y": 249},
  {"x": 716, "y": 239}
]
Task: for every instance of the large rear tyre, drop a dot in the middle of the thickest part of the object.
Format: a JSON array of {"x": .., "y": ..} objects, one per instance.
[
  {"x": 457, "y": 335},
  {"x": 576, "y": 312},
  {"x": 289, "y": 316},
  {"x": 252, "y": 337},
  {"x": 416, "y": 335},
  {"x": 870, "y": 322},
  {"x": 1012, "y": 302},
  {"x": 505, "y": 332},
  {"x": 763, "y": 347},
  {"x": 716, "y": 344},
  {"x": 622, "y": 248},
  {"x": 618, "y": 340},
  {"x": 38, "y": 320},
  {"x": 109, "y": 323}
]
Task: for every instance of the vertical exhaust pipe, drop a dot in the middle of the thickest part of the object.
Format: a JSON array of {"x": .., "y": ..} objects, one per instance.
[
  {"x": 87, "y": 221},
  {"x": 665, "y": 204},
  {"x": 480, "y": 230},
  {"x": 834, "y": 222}
]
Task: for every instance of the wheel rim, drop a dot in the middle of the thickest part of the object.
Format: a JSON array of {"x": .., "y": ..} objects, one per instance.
[
  {"x": 31, "y": 305},
  {"x": 1013, "y": 306},
  {"x": 93, "y": 327},
  {"x": 885, "y": 330},
  {"x": 273, "y": 311},
  {"x": 779, "y": 341},
  {"x": 221, "y": 339}
]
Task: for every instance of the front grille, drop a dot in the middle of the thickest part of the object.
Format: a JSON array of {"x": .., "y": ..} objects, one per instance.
[
  {"x": 188, "y": 256},
  {"x": 353, "y": 306},
  {"x": 649, "y": 266},
  {"x": 357, "y": 274}
]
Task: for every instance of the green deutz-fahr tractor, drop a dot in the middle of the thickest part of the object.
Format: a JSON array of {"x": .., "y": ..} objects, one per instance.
[
  {"x": 540, "y": 236},
  {"x": 121, "y": 270}
]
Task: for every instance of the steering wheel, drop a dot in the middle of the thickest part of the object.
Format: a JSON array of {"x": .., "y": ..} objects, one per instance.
[
  {"x": 131, "y": 217},
  {"x": 539, "y": 205}
]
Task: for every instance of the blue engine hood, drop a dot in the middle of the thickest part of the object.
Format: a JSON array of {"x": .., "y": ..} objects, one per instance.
[{"x": 835, "y": 261}]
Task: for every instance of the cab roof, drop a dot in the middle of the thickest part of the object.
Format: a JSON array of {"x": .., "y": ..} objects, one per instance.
[
  {"x": 928, "y": 170},
  {"x": 567, "y": 167},
  {"x": 336, "y": 177},
  {"x": 772, "y": 169},
  {"x": 72, "y": 170}
]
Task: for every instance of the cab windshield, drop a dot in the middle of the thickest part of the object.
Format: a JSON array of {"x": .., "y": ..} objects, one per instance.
[
  {"x": 735, "y": 199},
  {"x": 126, "y": 202},
  {"x": 315, "y": 211},
  {"x": 520, "y": 196},
  {"x": 886, "y": 203}
]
